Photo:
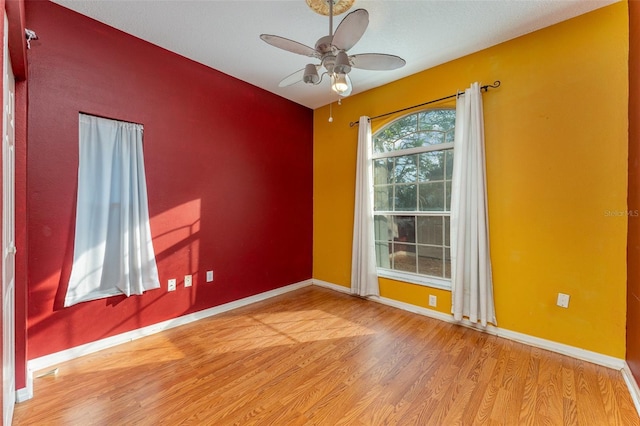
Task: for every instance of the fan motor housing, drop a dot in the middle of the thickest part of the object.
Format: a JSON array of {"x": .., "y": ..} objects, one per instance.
[{"x": 324, "y": 44}]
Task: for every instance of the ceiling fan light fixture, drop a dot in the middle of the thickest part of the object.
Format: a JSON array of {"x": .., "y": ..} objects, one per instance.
[
  {"x": 339, "y": 83},
  {"x": 310, "y": 74},
  {"x": 331, "y": 51},
  {"x": 342, "y": 65}
]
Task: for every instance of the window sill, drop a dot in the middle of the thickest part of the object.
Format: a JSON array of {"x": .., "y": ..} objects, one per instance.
[{"x": 441, "y": 283}]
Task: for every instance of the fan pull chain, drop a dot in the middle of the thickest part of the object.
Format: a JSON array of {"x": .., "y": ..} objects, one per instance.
[{"x": 331, "y": 109}]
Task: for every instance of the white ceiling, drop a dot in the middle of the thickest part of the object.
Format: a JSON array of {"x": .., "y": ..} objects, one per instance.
[{"x": 224, "y": 34}]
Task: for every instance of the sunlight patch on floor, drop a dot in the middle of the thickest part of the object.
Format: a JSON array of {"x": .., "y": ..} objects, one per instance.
[{"x": 281, "y": 328}]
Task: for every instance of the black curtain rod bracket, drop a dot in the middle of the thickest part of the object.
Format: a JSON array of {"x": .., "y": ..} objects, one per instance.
[{"x": 485, "y": 88}]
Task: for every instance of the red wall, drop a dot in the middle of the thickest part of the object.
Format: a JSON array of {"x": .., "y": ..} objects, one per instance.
[
  {"x": 633, "y": 243},
  {"x": 229, "y": 177}
]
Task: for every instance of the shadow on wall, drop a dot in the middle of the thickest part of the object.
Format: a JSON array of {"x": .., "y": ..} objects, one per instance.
[
  {"x": 166, "y": 242},
  {"x": 169, "y": 240}
]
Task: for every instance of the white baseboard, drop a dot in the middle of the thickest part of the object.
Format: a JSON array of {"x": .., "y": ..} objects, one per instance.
[
  {"x": 572, "y": 351},
  {"x": 26, "y": 393},
  {"x": 335, "y": 287},
  {"x": 413, "y": 308},
  {"x": 88, "y": 348},
  {"x": 632, "y": 385}
]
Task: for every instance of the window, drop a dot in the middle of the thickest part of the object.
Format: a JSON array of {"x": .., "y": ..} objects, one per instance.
[
  {"x": 113, "y": 250},
  {"x": 412, "y": 168}
]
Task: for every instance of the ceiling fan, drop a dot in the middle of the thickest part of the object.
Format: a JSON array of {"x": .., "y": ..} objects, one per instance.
[{"x": 331, "y": 51}]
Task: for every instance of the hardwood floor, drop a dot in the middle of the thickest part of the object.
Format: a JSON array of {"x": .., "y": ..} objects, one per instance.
[{"x": 318, "y": 357}]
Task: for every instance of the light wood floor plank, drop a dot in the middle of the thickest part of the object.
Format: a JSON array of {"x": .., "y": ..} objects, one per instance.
[{"x": 317, "y": 357}]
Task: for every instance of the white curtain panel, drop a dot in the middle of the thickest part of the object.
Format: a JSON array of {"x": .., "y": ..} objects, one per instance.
[
  {"x": 113, "y": 251},
  {"x": 471, "y": 282},
  {"x": 364, "y": 277}
]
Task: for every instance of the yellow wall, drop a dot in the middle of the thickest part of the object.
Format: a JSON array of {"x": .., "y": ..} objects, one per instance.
[{"x": 556, "y": 151}]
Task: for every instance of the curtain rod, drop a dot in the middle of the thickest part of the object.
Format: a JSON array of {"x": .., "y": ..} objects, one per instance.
[{"x": 486, "y": 87}]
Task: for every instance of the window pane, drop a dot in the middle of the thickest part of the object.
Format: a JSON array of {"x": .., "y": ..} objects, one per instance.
[
  {"x": 430, "y": 230},
  {"x": 450, "y": 136},
  {"x": 431, "y": 166},
  {"x": 430, "y": 261},
  {"x": 437, "y": 119},
  {"x": 404, "y": 126},
  {"x": 404, "y": 257},
  {"x": 404, "y": 229},
  {"x": 427, "y": 138},
  {"x": 432, "y": 196},
  {"x": 447, "y": 230},
  {"x": 383, "y": 198},
  {"x": 380, "y": 144},
  {"x": 448, "y": 195},
  {"x": 409, "y": 141},
  {"x": 406, "y": 169},
  {"x": 383, "y": 227},
  {"x": 405, "y": 199},
  {"x": 382, "y": 171},
  {"x": 389, "y": 138},
  {"x": 448, "y": 164},
  {"x": 447, "y": 263},
  {"x": 383, "y": 255}
]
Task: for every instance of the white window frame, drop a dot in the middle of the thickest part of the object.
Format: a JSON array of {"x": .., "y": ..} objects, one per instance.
[{"x": 409, "y": 277}]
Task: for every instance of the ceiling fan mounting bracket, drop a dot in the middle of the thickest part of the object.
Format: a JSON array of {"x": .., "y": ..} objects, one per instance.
[{"x": 321, "y": 7}]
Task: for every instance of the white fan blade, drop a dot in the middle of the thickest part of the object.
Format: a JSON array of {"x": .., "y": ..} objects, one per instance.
[
  {"x": 376, "y": 61},
  {"x": 289, "y": 45},
  {"x": 294, "y": 78},
  {"x": 351, "y": 29}
]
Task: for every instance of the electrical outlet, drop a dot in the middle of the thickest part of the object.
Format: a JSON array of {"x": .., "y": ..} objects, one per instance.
[
  {"x": 433, "y": 300},
  {"x": 209, "y": 276},
  {"x": 188, "y": 280},
  {"x": 172, "y": 285},
  {"x": 563, "y": 300}
]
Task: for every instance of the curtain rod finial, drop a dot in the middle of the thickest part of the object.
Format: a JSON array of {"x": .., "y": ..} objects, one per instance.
[{"x": 495, "y": 85}]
